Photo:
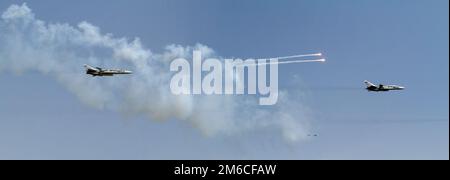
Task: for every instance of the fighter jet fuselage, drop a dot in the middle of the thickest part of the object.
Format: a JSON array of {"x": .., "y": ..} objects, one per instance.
[
  {"x": 381, "y": 87},
  {"x": 96, "y": 71}
]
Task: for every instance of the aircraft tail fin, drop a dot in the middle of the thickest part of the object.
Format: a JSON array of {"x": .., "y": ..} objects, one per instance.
[
  {"x": 90, "y": 67},
  {"x": 368, "y": 84},
  {"x": 87, "y": 66}
]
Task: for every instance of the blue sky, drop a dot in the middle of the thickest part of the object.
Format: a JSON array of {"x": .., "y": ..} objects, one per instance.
[{"x": 401, "y": 42}]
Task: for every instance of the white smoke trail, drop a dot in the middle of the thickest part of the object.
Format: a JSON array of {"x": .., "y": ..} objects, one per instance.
[
  {"x": 60, "y": 50},
  {"x": 285, "y": 62},
  {"x": 296, "y": 56}
]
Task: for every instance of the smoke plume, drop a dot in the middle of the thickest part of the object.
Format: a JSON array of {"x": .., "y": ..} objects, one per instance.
[{"x": 59, "y": 51}]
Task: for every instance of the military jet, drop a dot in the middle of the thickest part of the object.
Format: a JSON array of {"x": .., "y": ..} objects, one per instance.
[
  {"x": 96, "y": 71},
  {"x": 381, "y": 87}
]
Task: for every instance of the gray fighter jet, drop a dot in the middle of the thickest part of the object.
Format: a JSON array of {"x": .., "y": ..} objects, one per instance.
[
  {"x": 96, "y": 71},
  {"x": 381, "y": 87}
]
